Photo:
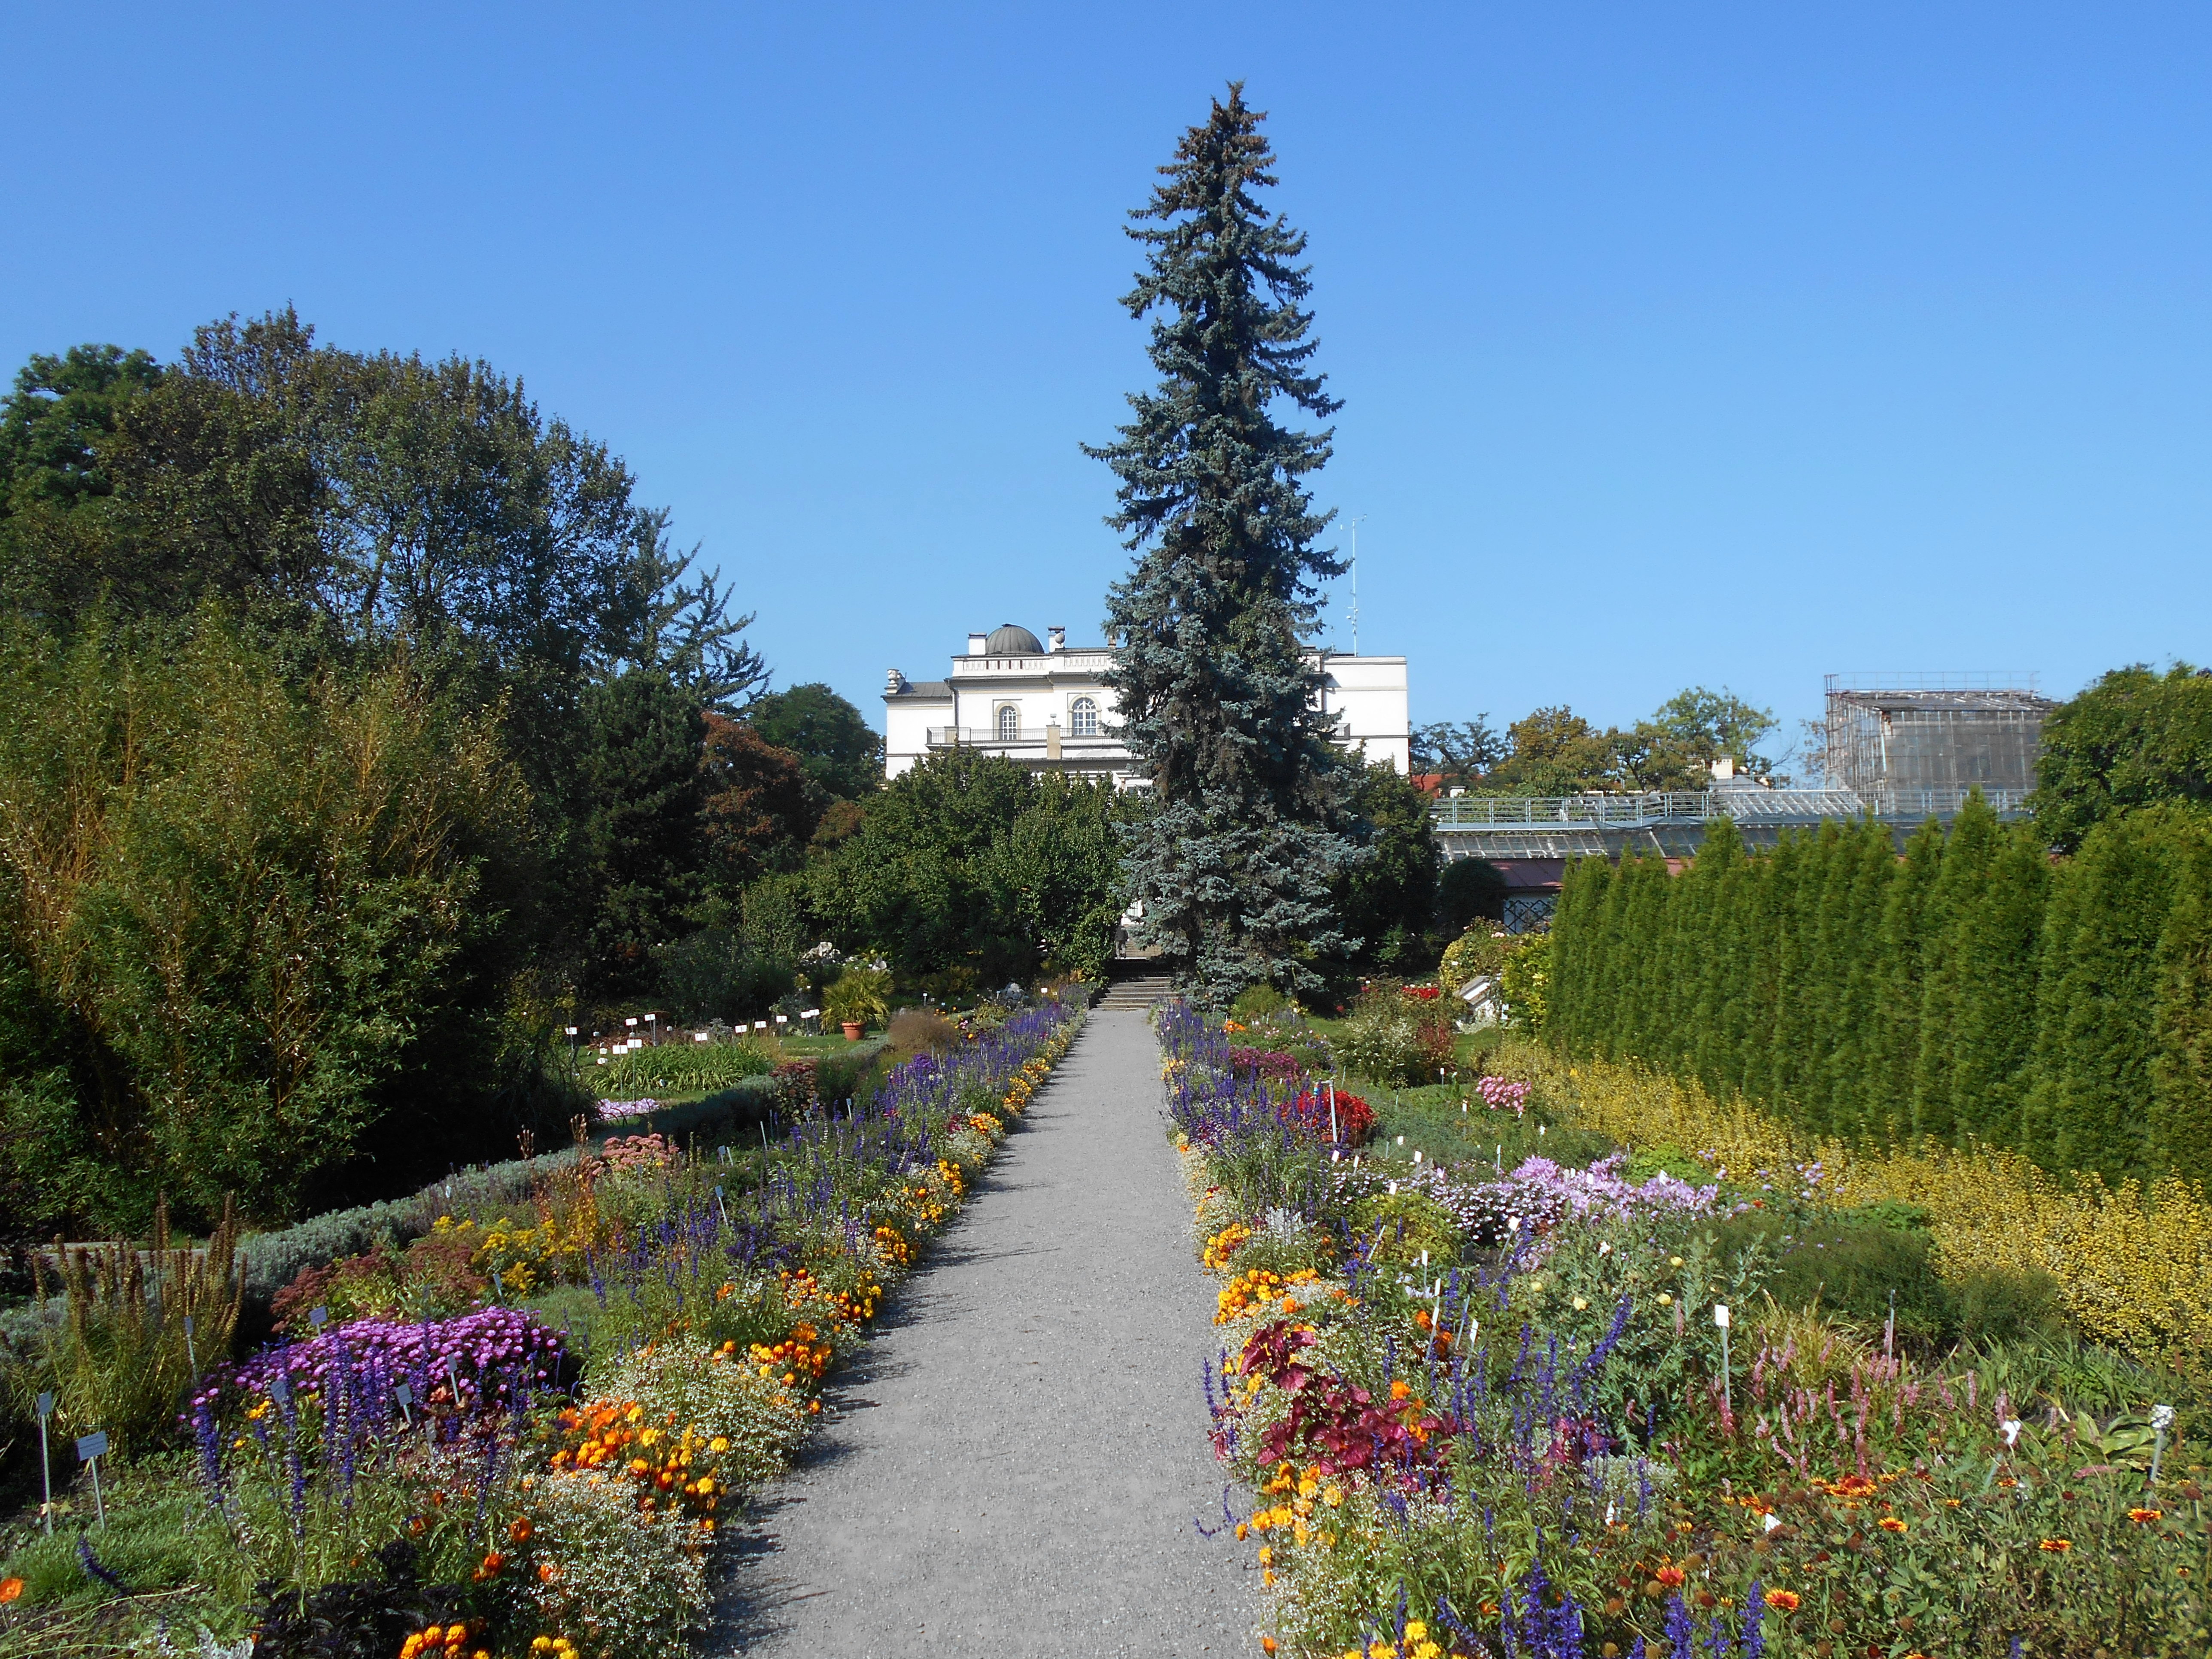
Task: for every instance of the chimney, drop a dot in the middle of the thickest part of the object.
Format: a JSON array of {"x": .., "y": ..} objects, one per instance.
[
  {"x": 893, "y": 682},
  {"x": 1056, "y": 638},
  {"x": 976, "y": 643}
]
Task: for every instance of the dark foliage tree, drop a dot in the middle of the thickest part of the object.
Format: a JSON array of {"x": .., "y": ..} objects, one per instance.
[
  {"x": 1236, "y": 863},
  {"x": 1469, "y": 888},
  {"x": 1389, "y": 900},
  {"x": 642, "y": 829},
  {"x": 840, "y": 752},
  {"x": 758, "y": 808},
  {"x": 2134, "y": 739},
  {"x": 1553, "y": 751}
]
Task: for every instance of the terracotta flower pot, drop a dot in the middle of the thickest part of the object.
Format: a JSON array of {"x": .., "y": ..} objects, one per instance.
[{"x": 852, "y": 1030}]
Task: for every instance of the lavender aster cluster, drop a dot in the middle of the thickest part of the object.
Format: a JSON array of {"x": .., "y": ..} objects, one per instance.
[{"x": 490, "y": 1350}]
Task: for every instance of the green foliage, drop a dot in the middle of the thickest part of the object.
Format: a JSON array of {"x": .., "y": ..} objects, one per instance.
[
  {"x": 858, "y": 996},
  {"x": 1525, "y": 980},
  {"x": 1249, "y": 834},
  {"x": 1469, "y": 890},
  {"x": 2135, "y": 738},
  {"x": 1257, "y": 1002},
  {"x": 243, "y": 923},
  {"x": 835, "y": 745},
  {"x": 1399, "y": 1229},
  {"x": 1970, "y": 990},
  {"x": 968, "y": 861},
  {"x": 645, "y": 794},
  {"x": 687, "y": 1068},
  {"x": 1390, "y": 898}
]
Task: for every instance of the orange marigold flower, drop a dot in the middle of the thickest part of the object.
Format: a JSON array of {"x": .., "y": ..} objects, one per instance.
[
  {"x": 1891, "y": 1523},
  {"x": 1785, "y": 1600},
  {"x": 2140, "y": 1517},
  {"x": 2056, "y": 1546},
  {"x": 10, "y": 1588}
]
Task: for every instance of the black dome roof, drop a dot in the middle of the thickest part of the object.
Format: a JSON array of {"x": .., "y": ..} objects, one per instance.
[{"x": 1011, "y": 640}]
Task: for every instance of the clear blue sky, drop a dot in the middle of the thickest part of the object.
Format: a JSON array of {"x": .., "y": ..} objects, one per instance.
[{"x": 1679, "y": 345}]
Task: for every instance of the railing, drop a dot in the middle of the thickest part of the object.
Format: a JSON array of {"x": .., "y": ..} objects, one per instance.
[
  {"x": 1696, "y": 806},
  {"x": 982, "y": 736}
]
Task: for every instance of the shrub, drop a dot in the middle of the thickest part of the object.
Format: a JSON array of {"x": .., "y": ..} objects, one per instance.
[
  {"x": 922, "y": 1030},
  {"x": 1396, "y": 1228},
  {"x": 1479, "y": 952},
  {"x": 685, "y": 1382},
  {"x": 1257, "y": 1002},
  {"x": 1382, "y": 1039},
  {"x": 277, "y": 913}
]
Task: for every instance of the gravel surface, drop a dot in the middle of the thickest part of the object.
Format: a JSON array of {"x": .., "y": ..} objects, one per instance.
[{"x": 1020, "y": 1453}]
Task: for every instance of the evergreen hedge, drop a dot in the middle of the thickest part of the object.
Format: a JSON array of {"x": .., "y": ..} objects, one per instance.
[{"x": 1971, "y": 989}]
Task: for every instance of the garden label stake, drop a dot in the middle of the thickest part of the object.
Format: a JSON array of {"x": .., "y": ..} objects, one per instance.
[
  {"x": 191, "y": 1354},
  {"x": 405, "y": 1394},
  {"x": 2162, "y": 1419},
  {"x": 90, "y": 1449},
  {"x": 45, "y": 1462},
  {"x": 1721, "y": 1319},
  {"x": 318, "y": 1317}
]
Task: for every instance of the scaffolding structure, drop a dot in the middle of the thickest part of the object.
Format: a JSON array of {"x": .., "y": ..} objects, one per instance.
[{"x": 1895, "y": 734}]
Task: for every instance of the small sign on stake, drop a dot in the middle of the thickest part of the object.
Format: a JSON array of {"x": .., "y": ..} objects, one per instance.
[
  {"x": 45, "y": 1462},
  {"x": 280, "y": 1390},
  {"x": 405, "y": 1394},
  {"x": 191, "y": 1354},
  {"x": 90, "y": 1448},
  {"x": 318, "y": 1317},
  {"x": 1721, "y": 1319}
]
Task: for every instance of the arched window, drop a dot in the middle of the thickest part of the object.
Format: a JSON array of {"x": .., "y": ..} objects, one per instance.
[
  {"x": 1083, "y": 718},
  {"x": 1010, "y": 724}
]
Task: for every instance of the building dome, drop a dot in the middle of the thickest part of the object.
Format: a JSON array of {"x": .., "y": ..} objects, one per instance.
[{"x": 1010, "y": 639}]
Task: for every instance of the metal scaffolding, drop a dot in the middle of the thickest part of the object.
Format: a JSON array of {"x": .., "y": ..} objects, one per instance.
[{"x": 1890, "y": 734}]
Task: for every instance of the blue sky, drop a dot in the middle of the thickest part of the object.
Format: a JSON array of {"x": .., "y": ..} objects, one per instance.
[{"x": 1683, "y": 344}]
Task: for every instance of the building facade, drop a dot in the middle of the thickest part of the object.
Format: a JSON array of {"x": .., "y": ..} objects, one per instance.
[{"x": 1046, "y": 705}]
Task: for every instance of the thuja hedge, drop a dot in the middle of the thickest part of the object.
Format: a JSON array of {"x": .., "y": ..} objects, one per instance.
[{"x": 1975, "y": 988}]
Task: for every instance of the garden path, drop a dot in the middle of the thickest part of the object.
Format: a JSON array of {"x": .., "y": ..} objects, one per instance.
[{"x": 1019, "y": 1453}]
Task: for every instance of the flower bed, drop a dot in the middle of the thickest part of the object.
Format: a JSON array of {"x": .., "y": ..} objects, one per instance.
[
  {"x": 1488, "y": 1409},
  {"x": 417, "y": 1466}
]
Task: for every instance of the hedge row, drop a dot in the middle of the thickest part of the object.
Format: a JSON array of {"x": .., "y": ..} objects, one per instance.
[{"x": 1972, "y": 989}]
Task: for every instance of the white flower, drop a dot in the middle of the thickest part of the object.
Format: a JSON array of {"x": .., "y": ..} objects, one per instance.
[{"x": 2011, "y": 1427}]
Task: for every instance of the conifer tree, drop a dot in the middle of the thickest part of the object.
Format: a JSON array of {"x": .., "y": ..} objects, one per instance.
[
  {"x": 2108, "y": 909},
  {"x": 1960, "y": 888},
  {"x": 1893, "y": 1043},
  {"x": 2000, "y": 952},
  {"x": 1216, "y": 686},
  {"x": 2181, "y": 1066}
]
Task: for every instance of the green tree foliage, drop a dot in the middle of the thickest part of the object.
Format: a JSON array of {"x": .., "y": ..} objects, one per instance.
[
  {"x": 250, "y": 930},
  {"x": 61, "y": 413},
  {"x": 2134, "y": 739},
  {"x": 969, "y": 861},
  {"x": 643, "y": 829},
  {"x": 1556, "y": 751},
  {"x": 1968, "y": 989},
  {"x": 838, "y": 748},
  {"x": 1388, "y": 902},
  {"x": 1238, "y": 862},
  {"x": 1467, "y": 889},
  {"x": 1553, "y": 751}
]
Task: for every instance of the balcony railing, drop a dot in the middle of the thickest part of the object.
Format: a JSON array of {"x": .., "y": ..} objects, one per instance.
[
  {"x": 1695, "y": 806},
  {"x": 985, "y": 737}
]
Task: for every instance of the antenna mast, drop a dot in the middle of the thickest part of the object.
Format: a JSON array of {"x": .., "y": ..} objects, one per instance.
[{"x": 1354, "y": 615}]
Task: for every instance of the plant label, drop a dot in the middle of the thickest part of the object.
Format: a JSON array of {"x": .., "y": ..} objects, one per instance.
[
  {"x": 1720, "y": 1314},
  {"x": 46, "y": 1403},
  {"x": 404, "y": 1394},
  {"x": 92, "y": 1445},
  {"x": 318, "y": 1317},
  {"x": 280, "y": 1390}
]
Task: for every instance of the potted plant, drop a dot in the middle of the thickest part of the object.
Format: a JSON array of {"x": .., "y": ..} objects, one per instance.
[{"x": 859, "y": 998}]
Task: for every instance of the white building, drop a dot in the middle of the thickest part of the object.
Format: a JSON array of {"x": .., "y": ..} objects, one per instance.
[{"x": 1046, "y": 705}]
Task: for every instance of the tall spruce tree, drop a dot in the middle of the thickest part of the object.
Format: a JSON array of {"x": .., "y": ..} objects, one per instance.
[{"x": 1217, "y": 690}]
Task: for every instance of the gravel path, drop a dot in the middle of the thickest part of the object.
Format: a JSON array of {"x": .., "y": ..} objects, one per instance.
[{"x": 1020, "y": 1451}]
